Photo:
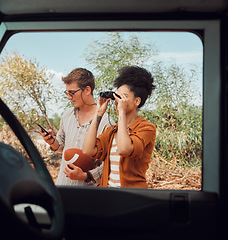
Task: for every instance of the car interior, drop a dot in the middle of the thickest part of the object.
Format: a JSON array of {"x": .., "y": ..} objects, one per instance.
[{"x": 33, "y": 207}]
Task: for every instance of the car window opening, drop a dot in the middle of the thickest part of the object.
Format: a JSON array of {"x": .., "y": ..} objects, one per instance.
[{"x": 33, "y": 82}]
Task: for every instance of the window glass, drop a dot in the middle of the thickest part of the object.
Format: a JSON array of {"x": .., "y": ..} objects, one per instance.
[{"x": 32, "y": 66}]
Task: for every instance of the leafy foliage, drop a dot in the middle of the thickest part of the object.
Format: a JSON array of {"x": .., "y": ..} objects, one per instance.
[
  {"x": 116, "y": 51},
  {"x": 25, "y": 88},
  {"x": 179, "y": 133}
]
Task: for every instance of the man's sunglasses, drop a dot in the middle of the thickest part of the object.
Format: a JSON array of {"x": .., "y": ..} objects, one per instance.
[{"x": 71, "y": 93}]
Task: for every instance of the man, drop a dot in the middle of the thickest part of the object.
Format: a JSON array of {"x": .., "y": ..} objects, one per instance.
[{"x": 75, "y": 123}]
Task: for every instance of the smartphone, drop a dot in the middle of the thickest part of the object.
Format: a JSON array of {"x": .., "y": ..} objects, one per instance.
[{"x": 43, "y": 129}]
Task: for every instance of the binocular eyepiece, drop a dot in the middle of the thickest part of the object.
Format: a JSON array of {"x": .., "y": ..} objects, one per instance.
[{"x": 109, "y": 94}]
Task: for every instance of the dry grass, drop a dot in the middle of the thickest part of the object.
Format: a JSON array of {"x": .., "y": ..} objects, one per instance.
[
  {"x": 162, "y": 174},
  {"x": 51, "y": 159}
]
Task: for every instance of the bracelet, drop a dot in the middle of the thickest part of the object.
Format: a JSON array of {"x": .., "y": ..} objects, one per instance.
[
  {"x": 89, "y": 177},
  {"x": 52, "y": 142}
]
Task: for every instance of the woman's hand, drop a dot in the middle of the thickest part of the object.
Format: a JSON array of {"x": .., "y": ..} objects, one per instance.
[
  {"x": 102, "y": 105},
  {"x": 74, "y": 173},
  {"x": 121, "y": 104}
]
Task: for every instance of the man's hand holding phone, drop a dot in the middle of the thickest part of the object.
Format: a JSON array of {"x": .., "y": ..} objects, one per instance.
[{"x": 48, "y": 136}]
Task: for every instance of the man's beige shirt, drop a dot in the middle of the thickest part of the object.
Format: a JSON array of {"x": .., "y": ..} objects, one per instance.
[{"x": 72, "y": 135}]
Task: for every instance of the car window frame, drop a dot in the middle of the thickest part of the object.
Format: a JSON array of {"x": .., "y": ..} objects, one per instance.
[{"x": 210, "y": 30}]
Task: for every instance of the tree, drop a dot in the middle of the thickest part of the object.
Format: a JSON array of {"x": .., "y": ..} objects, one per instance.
[
  {"x": 25, "y": 87},
  {"x": 114, "y": 52},
  {"x": 174, "y": 85}
]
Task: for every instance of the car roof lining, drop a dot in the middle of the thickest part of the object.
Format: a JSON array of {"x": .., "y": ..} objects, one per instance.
[{"x": 109, "y": 6}]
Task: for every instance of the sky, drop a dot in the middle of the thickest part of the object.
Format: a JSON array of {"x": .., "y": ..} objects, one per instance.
[{"x": 61, "y": 52}]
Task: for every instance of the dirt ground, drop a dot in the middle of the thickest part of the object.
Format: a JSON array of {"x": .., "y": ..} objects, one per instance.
[
  {"x": 164, "y": 174},
  {"x": 160, "y": 175}
]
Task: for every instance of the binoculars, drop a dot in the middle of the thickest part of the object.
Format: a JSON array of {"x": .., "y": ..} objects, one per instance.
[{"x": 109, "y": 94}]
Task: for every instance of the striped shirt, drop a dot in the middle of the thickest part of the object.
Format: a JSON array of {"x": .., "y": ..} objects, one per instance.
[
  {"x": 114, "y": 177},
  {"x": 72, "y": 135}
]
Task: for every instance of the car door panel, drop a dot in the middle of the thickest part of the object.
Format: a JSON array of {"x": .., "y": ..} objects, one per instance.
[{"x": 139, "y": 212}]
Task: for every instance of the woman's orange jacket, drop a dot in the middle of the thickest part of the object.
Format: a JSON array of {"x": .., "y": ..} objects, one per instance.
[{"x": 132, "y": 168}]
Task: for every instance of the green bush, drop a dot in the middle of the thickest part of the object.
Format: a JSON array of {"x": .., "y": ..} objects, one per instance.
[{"x": 179, "y": 133}]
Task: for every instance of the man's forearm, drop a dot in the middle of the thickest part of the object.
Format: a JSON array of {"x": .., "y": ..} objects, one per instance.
[{"x": 55, "y": 144}]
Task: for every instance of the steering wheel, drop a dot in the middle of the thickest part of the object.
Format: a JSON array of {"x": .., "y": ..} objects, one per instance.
[{"x": 20, "y": 183}]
